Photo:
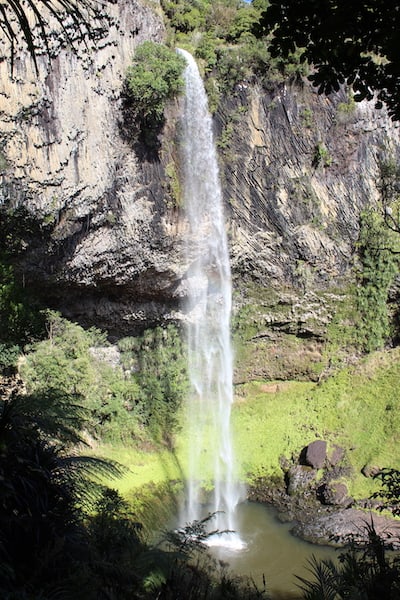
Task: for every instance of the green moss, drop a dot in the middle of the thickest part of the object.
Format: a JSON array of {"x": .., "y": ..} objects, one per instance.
[
  {"x": 144, "y": 467},
  {"x": 358, "y": 409},
  {"x": 174, "y": 183}
]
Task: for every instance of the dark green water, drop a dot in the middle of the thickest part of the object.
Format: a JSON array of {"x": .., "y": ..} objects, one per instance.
[{"x": 271, "y": 551}]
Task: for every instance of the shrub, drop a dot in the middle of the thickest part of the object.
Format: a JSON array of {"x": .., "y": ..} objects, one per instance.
[
  {"x": 378, "y": 265},
  {"x": 321, "y": 156},
  {"x": 154, "y": 77},
  {"x": 185, "y": 16},
  {"x": 162, "y": 379},
  {"x": 21, "y": 318},
  {"x": 364, "y": 571},
  {"x": 64, "y": 362}
]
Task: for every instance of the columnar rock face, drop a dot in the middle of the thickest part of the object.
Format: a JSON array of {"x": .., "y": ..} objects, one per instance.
[
  {"x": 111, "y": 255},
  {"x": 297, "y": 169}
]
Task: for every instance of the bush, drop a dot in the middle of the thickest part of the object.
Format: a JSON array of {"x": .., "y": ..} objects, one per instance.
[
  {"x": 65, "y": 362},
  {"x": 22, "y": 320},
  {"x": 377, "y": 252},
  {"x": 162, "y": 379},
  {"x": 154, "y": 77},
  {"x": 133, "y": 403},
  {"x": 364, "y": 571}
]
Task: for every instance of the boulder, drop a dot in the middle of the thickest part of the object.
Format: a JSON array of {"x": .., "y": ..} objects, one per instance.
[
  {"x": 315, "y": 454},
  {"x": 335, "y": 493},
  {"x": 370, "y": 470}
]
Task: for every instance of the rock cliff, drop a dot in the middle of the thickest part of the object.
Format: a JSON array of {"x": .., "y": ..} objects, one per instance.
[
  {"x": 109, "y": 257},
  {"x": 297, "y": 169}
]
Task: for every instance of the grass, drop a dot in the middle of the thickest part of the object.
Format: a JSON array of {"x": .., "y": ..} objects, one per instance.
[
  {"x": 143, "y": 468},
  {"x": 357, "y": 408}
]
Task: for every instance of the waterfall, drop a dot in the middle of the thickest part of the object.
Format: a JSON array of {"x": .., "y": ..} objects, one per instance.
[{"x": 209, "y": 306}]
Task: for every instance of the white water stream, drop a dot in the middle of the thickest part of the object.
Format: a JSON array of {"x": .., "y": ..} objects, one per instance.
[{"x": 209, "y": 309}]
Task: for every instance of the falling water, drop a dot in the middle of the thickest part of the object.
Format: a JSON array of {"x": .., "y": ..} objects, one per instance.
[{"x": 209, "y": 306}]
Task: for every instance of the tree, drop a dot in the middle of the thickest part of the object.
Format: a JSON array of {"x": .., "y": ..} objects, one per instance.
[
  {"x": 390, "y": 492},
  {"x": 355, "y": 43},
  {"x": 46, "y": 491},
  {"x": 377, "y": 249}
]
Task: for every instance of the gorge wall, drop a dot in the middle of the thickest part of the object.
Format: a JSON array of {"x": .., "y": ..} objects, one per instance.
[{"x": 296, "y": 168}]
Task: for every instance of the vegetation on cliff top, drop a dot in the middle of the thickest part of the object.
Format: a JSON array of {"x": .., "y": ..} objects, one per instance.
[
  {"x": 220, "y": 35},
  {"x": 154, "y": 77}
]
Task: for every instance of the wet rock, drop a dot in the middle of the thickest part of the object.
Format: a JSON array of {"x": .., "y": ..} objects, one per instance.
[
  {"x": 335, "y": 493},
  {"x": 315, "y": 454},
  {"x": 324, "y": 524},
  {"x": 107, "y": 354},
  {"x": 300, "y": 479},
  {"x": 338, "y": 526}
]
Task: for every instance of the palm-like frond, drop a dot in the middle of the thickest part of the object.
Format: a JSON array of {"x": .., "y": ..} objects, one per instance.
[
  {"x": 326, "y": 580},
  {"x": 190, "y": 538},
  {"x": 48, "y": 413},
  {"x": 85, "y": 474},
  {"x": 46, "y": 493}
]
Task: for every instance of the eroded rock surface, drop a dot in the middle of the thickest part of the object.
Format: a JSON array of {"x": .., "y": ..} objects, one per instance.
[{"x": 299, "y": 169}]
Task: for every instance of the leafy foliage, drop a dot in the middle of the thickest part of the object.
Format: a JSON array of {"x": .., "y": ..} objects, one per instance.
[
  {"x": 154, "y": 77},
  {"x": 22, "y": 320},
  {"x": 21, "y": 311},
  {"x": 20, "y": 229},
  {"x": 359, "y": 47},
  {"x": 130, "y": 404},
  {"x": 221, "y": 35},
  {"x": 162, "y": 379},
  {"x": 390, "y": 489},
  {"x": 66, "y": 362},
  {"x": 389, "y": 186},
  {"x": 61, "y": 535},
  {"x": 44, "y": 491},
  {"x": 195, "y": 574},
  {"x": 185, "y": 16},
  {"x": 379, "y": 264}
]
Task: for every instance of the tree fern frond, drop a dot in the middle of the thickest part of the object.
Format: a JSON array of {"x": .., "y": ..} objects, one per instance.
[
  {"x": 325, "y": 582},
  {"x": 93, "y": 466},
  {"x": 49, "y": 412}
]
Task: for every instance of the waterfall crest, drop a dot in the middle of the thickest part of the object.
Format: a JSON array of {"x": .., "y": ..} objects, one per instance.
[{"x": 209, "y": 309}]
